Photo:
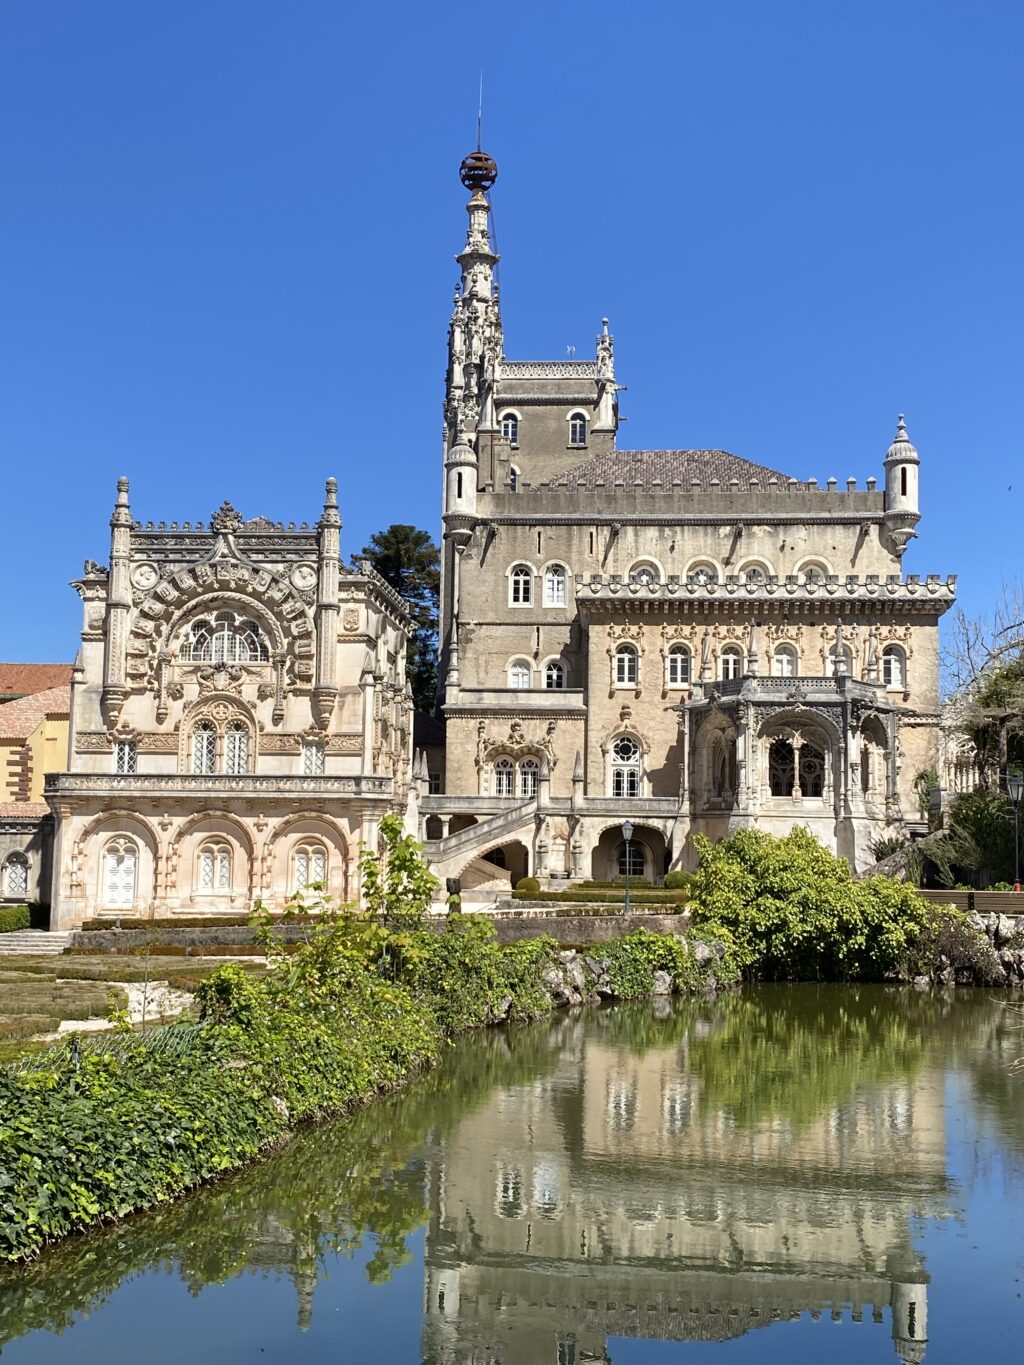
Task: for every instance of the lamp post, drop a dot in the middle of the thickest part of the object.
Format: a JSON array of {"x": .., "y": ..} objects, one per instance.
[
  {"x": 627, "y": 834},
  {"x": 1015, "y": 787}
]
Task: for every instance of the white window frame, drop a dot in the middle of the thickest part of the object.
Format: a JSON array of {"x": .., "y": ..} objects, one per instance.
[
  {"x": 627, "y": 674},
  {"x": 556, "y": 585},
  {"x": 126, "y": 754},
  {"x": 578, "y": 420},
  {"x": 504, "y": 776},
  {"x": 237, "y": 748},
  {"x": 520, "y": 675},
  {"x": 627, "y": 769},
  {"x": 734, "y": 669},
  {"x": 520, "y": 585},
  {"x": 16, "y": 885},
  {"x": 305, "y": 872},
  {"x": 555, "y": 676},
  {"x": 527, "y": 777},
  {"x": 510, "y": 419},
  {"x": 203, "y": 749},
  {"x": 674, "y": 675},
  {"x": 895, "y": 679},
  {"x": 313, "y": 758},
  {"x": 219, "y": 857},
  {"x": 789, "y": 653},
  {"x": 116, "y": 892}
]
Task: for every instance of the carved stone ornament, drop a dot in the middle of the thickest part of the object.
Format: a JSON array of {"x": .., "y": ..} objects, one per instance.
[
  {"x": 226, "y": 519},
  {"x": 350, "y": 620},
  {"x": 222, "y": 678},
  {"x": 92, "y": 742}
]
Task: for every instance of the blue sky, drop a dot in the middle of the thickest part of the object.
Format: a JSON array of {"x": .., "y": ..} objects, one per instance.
[{"x": 228, "y": 228}]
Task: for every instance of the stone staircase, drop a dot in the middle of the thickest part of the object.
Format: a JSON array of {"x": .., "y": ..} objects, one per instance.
[
  {"x": 33, "y": 942},
  {"x": 447, "y": 857}
]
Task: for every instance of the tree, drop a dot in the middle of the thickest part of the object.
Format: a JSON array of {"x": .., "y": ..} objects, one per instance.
[
  {"x": 984, "y": 667},
  {"x": 408, "y": 560}
]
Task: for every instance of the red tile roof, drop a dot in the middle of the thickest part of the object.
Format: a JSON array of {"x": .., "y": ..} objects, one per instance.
[
  {"x": 19, "y": 719},
  {"x": 655, "y": 471},
  {"x": 23, "y": 810},
  {"x": 21, "y": 680}
]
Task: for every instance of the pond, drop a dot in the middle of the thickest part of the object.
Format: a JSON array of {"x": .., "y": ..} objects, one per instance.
[{"x": 787, "y": 1173}]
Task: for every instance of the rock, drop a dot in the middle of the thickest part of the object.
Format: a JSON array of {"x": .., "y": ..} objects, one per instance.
[
  {"x": 502, "y": 1008},
  {"x": 1004, "y": 930},
  {"x": 702, "y": 954},
  {"x": 576, "y": 975},
  {"x": 279, "y": 1107},
  {"x": 560, "y": 991},
  {"x": 976, "y": 922},
  {"x": 922, "y": 983},
  {"x": 662, "y": 983},
  {"x": 604, "y": 990},
  {"x": 598, "y": 966},
  {"x": 710, "y": 984},
  {"x": 718, "y": 948}
]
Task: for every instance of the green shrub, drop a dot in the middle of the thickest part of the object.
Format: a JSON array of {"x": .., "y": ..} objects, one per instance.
[
  {"x": 14, "y": 917},
  {"x": 527, "y": 886},
  {"x": 678, "y": 881},
  {"x": 795, "y": 912}
]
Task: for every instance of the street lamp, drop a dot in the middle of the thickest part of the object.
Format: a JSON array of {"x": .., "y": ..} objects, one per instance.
[
  {"x": 1015, "y": 786},
  {"x": 627, "y": 834}
]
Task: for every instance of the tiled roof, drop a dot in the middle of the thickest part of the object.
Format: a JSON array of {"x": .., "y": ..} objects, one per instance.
[
  {"x": 23, "y": 810},
  {"x": 18, "y": 719},
  {"x": 655, "y": 471},
  {"x": 21, "y": 680}
]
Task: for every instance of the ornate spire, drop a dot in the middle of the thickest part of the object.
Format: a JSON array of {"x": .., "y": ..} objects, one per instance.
[
  {"x": 331, "y": 516},
  {"x": 122, "y": 512},
  {"x": 474, "y": 336},
  {"x": 901, "y": 449}
]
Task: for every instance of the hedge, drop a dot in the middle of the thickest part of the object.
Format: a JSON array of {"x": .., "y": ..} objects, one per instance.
[{"x": 14, "y": 917}]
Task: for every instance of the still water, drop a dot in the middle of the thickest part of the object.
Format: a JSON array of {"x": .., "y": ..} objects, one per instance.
[{"x": 789, "y": 1174}]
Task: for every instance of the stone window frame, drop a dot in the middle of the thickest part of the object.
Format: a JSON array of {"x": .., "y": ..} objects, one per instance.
[
  {"x": 216, "y": 848},
  {"x": 235, "y": 629},
  {"x": 731, "y": 650},
  {"x": 576, "y": 419},
  {"x": 547, "y": 672},
  {"x": 678, "y": 649},
  {"x": 642, "y": 566},
  {"x": 310, "y": 848},
  {"x": 550, "y": 573},
  {"x": 756, "y": 565},
  {"x": 894, "y": 681},
  {"x": 126, "y": 756},
  {"x": 510, "y": 415},
  {"x": 700, "y": 563},
  {"x": 816, "y": 564},
  {"x": 621, "y": 671},
  {"x": 785, "y": 649},
  {"x": 19, "y": 859},
  {"x": 122, "y": 844},
  {"x": 521, "y": 573},
  {"x": 520, "y": 663}
]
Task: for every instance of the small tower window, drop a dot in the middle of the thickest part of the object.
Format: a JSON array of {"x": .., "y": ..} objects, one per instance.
[
  {"x": 458, "y": 484},
  {"x": 510, "y": 428},
  {"x": 554, "y": 586},
  {"x": 894, "y": 666},
  {"x": 554, "y": 676},
  {"x": 903, "y": 481},
  {"x": 577, "y": 428},
  {"x": 520, "y": 675},
  {"x": 521, "y": 586},
  {"x": 677, "y": 666},
  {"x": 731, "y": 663},
  {"x": 627, "y": 668},
  {"x": 125, "y": 754}
]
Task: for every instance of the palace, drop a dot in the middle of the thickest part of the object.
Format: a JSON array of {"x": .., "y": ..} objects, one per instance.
[
  {"x": 682, "y": 639},
  {"x": 679, "y": 638}
]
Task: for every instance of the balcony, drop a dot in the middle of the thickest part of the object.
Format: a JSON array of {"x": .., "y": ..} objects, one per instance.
[{"x": 192, "y": 785}]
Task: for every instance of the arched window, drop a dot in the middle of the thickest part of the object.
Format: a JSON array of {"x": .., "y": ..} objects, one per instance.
[
  {"x": 577, "y": 428},
  {"x": 312, "y": 759},
  {"x": 894, "y": 666},
  {"x": 702, "y": 574},
  {"x": 521, "y": 585},
  {"x": 496, "y": 858},
  {"x": 554, "y": 676},
  {"x": 513, "y": 479},
  {"x": 226, "y": 639},
  {"x": 755, "y": 573},
  {"x": 120, "y": 865},
  {"x": 504, "y": 777},
  {"x": 781, "y": 767},
  {"x": 309, "y": 864},
  {"x": 204, "y": 747},
  {"x": 625, "y": 767},
  {"x": 631, "y": 859},
  {"x": 529, "y": 772},
  {"x": 16, "y": 875},
  {"x": 214, "y": 868},
  {"x": 784, "y": 662},
  {"x": 510, "y": 427},
  {"x": 677, "y": 666},
  {"x": 520, "y": 674},
  {"x": 814, "y": 573},
  {"x": 236, "y": 748},
  {"x": 554, "y": 586},
  {"x": 731, "y": 662},
  {"x": 627, "y": 666},
  {"x": 644, "y": 574}
]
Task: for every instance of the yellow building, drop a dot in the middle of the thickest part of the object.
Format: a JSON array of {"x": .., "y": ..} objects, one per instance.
[{"x": 33, "y": 742}]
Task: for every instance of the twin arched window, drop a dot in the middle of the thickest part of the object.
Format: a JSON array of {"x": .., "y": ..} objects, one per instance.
[
  {"x": 225, "y": 638},
  {"x": 214, "y": 868},
  {"x": 16, "y": 875},
  {"x": 894, "y": 667},
  {"x": 577, "y": 428},
  {"x": 520, "y": 590},
  {"x": 120, "y": 873},
  {"x": 627, "y": 666},
  {"x": 236, "y": 752},
  {"x": 555, "y": 579},
  {"x": 730, "y": 664},
  {"x": 510, "y": 778},
  {"x": 309, "y": 867},
  {"x": 677, "y": 666},
  {"x": 625, "y": 767}
]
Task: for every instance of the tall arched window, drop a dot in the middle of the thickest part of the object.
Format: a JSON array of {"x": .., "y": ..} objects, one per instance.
[
  {"x": 577, "y": 428},
  {"x": 627, "y": 666},
  {"x": 625, "y": 767},
  {"x": 510, "y": 427},
  {"x": 214, "y": 868},
  {"x": 309, "y": 865},
  {"x": 784, "y": 662},
  {"x": 677, "y": 666},
  {"x": 731, "y": 662},
  {"x": 120, "y": 867},
  {"x": 236, "y": 748},
  {"x": 504, "y": 777},
  {"x": 521, "y": 585},
  {"x": 520, "y": 674},
  {"x": 16, "y": 875},
  {"x": 631, "y": 859},
  {"x": 554, "y": 586},
  {"x": 226, "y": 639},
  {"x": 529, "y": 771},
  {"x": 894, "y": 666},
  {"x": 204, "y": 747},
  {"x": 554, "y": 676},
  {"x": 513, "y": 479}
]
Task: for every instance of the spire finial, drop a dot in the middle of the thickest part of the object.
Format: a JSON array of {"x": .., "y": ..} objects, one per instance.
[
  {"x": 122, "y": 492},
  {"x": 480, "y": 111},
  {"x": 331, "y": 493}
]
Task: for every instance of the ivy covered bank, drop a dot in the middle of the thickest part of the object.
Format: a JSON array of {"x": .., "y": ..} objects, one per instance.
[{"x": 88, "y": 1135}]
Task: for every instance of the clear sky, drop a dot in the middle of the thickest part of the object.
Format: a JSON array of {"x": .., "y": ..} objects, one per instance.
[{"x": 227, "y": 232}]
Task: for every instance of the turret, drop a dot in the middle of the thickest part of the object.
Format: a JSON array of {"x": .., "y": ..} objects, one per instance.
[
  {"x": 901, "y": 492},
  {"x": 460, "y": 473}
]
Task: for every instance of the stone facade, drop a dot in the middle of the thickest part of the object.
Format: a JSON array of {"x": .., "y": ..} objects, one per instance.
[
  {"x": 681, "y": 638},
  {"x": 239, "y": 723}
]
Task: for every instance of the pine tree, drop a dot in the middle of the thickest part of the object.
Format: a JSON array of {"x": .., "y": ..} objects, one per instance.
[{"x": 408, "y": 559}]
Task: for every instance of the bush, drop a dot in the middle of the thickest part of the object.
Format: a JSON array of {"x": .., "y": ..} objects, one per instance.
[
  {"x": 678, "y": 881},
  {"x": 949, "y": 947},
  {"x": 14, "y": 917},
  {"x": 528, "y": 886},
  {"x": 794, "y": 911}
]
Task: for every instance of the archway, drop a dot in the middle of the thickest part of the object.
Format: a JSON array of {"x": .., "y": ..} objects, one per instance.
[{"x": 647, "y": 855}]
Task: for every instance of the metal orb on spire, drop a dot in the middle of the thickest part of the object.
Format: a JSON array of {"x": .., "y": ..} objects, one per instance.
[{"x": 478, "y": 171}]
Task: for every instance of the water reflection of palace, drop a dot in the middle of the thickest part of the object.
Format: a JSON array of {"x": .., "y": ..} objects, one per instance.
[{"x": 615, "y": 1198}]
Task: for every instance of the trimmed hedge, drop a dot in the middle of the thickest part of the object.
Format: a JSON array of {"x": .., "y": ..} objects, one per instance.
[
  {"x": 208, "y": 921},
  {"x": 14, "y": 917}
]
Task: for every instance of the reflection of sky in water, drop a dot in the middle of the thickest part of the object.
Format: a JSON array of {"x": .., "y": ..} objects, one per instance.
[{"x": 595, "y": 1185}]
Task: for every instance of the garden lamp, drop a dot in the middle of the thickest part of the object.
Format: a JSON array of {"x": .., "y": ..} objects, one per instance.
[
  {"x": 1015, "y": 787},
  {"x": 627, "y": 834}
]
